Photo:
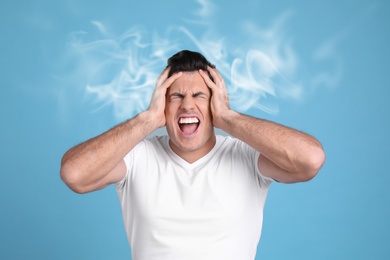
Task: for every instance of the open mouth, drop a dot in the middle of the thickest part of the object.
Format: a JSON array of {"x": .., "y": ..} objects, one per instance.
[{"x": 188, "y": 125}]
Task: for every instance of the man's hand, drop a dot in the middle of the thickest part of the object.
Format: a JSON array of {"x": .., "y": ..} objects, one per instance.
[
  {"x": 219, "y": 102},
  {"x": 157, "y": 103}
]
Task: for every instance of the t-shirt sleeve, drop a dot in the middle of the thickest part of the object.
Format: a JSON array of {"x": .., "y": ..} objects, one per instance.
[
  {"x": 251, "y": 156},
  {"x": 263, "y": 179},
  {"x": 129, "y": 162},
  {"x": 128, "y": 159}
]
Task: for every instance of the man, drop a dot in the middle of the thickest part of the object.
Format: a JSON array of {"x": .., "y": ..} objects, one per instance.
[{"x": 192, "y": 194}]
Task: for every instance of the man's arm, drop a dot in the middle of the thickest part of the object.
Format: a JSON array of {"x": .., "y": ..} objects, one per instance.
[
  {"x": 98, "y": 162},
  {"x": 287, "y": 155}
]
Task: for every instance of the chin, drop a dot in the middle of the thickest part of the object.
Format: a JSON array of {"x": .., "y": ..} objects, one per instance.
[{"x": 189, "y": 146}]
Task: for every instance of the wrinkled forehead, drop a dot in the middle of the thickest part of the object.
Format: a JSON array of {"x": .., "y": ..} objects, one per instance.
[{"x": 189, "y": 82}]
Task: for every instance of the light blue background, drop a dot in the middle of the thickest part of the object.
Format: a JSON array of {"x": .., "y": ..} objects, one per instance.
[{"x": 342, "y": 214}]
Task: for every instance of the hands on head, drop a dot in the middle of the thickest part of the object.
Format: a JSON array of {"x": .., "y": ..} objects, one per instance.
[
  {"x": 219, "y": 102},
  {"x": 157, "y": 104}
]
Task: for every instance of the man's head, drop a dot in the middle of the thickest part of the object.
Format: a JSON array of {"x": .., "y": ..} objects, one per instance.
[{"x": 187, "y": 111}]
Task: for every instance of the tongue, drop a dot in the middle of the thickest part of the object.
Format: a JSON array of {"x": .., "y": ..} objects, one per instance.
[{"x": 188, "y": 128}]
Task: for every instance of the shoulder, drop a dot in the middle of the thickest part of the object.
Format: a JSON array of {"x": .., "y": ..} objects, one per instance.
[
  {"x": 226, "y": 140},
  {"x": 235, "y": 149},
  {"x": 156, "y": 142},
  {"x": 241, "y": 157},
  {"x": 147, "y": 151},
  {"x": 229, "y": 142},
  {"x": 149, "y": 146}
]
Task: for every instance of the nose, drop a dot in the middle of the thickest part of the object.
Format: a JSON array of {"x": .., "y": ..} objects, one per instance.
[{"x": 187, "y": 103}]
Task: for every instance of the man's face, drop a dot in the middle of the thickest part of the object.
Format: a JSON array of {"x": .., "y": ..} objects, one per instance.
[{"x": 188, "y": 117}]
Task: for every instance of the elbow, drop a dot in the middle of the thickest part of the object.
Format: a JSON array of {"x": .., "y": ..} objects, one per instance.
[
  {"x": 72, "y": 179},
  {"x": 314, "y": 163}
]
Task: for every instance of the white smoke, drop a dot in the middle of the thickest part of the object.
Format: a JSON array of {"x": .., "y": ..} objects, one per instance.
[{"x": 121, "y": 70}]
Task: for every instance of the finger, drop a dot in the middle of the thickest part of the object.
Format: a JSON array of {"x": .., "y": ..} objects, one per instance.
[
  {"x": 163, "y": 76},
  {"x": 169, "y": 81},
  {"x": 207, "y": 79},
  {"x": 215, "y": 74}
]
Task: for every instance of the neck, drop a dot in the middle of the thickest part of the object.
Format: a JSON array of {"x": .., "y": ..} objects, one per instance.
[{"x": 192, "y": 155}]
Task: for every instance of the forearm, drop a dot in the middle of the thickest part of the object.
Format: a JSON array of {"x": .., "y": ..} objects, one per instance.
[
  {"x": 287, "y": 155},
  {"x": 293, "y": 151},
  {"x": 92, "y": 160}
]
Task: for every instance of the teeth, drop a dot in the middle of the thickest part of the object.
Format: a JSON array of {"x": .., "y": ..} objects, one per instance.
[{"x": 188, "y": 120}]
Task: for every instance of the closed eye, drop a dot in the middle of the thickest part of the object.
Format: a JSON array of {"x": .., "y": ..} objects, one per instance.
[
  {"x": 199, "y": 94},
  {"x": 176, "y": 95}
]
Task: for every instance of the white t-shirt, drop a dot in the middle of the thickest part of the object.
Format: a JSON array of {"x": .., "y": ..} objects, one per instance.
[{"x": 210, "y": 209}]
